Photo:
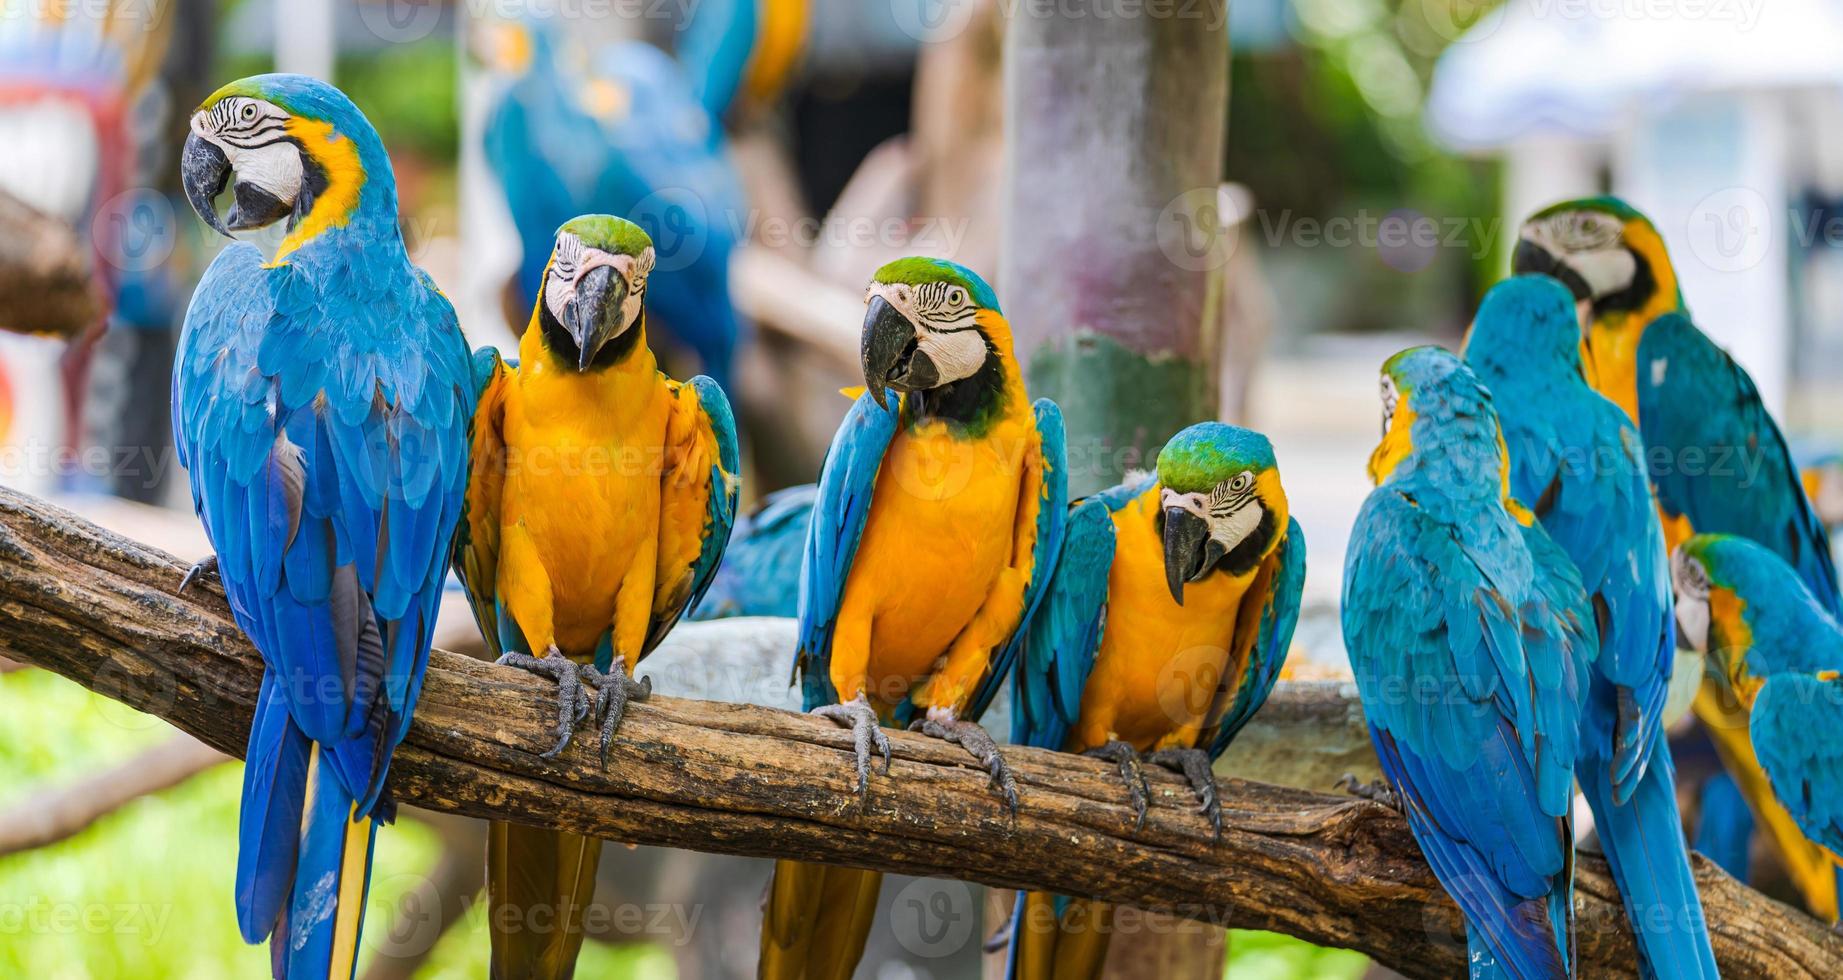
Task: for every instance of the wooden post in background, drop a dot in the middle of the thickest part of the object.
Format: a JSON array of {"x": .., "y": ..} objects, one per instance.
[
  {"x": 1112, "y": 247},
  {"x": 1111, "y": 262}
]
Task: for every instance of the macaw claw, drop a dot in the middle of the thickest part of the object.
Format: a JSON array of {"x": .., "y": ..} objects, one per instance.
[
  {"x": 207, "y": 566},
  {"x": 1194, "y": 764},
  {"x": 572, "y": 700},
  {"x": 974, "y": 739},
  {"x": 612, "y": 692},
  {"x": 1376, "y": 791},
  {"x": 1131, "y": 773},
  {"x": 865, "y": 733}
]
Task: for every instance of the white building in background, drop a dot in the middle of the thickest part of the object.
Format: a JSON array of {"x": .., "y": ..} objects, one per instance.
[{"x": 1721, "y": 119}]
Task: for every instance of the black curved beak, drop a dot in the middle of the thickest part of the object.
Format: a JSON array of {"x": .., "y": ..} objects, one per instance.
[
  {"x": 204, "y": 170},
  {"x": 1187, "y": 543},
  {"x": 1531, "y": 257},
  {"x": 593, "y": 315},
  {"x": 892, "y": 353}
]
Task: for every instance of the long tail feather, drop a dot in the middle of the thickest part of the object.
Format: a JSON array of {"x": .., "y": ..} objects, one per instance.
[
  {"x": 539, "y": 883},
  {"x": 269, "y": 824},
  {"x": 1058, "y": 939},
  {"x": 816, "y": 921},
  {"x": 1645, "y": 847},
  {"x": 319, "y": 935}
]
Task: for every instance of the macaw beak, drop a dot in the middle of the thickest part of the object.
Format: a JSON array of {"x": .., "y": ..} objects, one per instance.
[
  {"x": 893, "y": 357},
  {"x": 204, "y": 171},
  {"x": 1531, "y": 257},
  {"x": 1187, "y": 543},
  {"x": 593, "y": 314}
]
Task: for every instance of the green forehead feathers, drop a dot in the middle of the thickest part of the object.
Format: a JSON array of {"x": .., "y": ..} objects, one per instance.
[
  {"x": 1605, "y": 204},
  {"x": 617, "y": 236},
  {"x": 918, "y": 270},
  {"x": 1208, "y": 453}
]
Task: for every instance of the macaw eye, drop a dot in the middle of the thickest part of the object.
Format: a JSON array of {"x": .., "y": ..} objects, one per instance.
[
  {"x": 248, "y": 112},
  {"x": 1242, "y": 482},
  {"x": 956, "y": 295}
]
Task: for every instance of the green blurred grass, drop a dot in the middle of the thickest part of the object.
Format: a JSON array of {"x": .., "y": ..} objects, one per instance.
[{"x": 147, "y": 891}]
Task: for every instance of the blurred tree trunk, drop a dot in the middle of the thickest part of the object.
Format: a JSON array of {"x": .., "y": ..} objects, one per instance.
[{"x": 1113, "y": 248}]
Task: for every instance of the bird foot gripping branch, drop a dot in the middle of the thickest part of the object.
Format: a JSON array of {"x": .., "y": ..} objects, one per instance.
[
  {"x": 865, "y": 734},
  {"x": 975, "y": 740}
]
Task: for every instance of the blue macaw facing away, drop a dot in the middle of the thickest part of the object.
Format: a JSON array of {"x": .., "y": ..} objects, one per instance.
[
  {"x": 1576, "y": 458},
  {"x": 1781, "y": 650},
  {"x": 1470, "y": 637},
  {"x": 623, "y": 134},
  {"x": 1164, "y": 629},
  {"x": 1720, "y": 464},
  {"x": 760, "y": 574},
  {"x": 321, "y": 399}
]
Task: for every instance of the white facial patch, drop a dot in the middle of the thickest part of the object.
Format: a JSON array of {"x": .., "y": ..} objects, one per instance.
[
  {"x": 1390, "y": 398},
  {"x": 572, "y": 260},
  {"x": 1591, "y": 243},
  {"x": 253, "y": 136},
  {"x": 1692, "y": 587},
  {"x": 946, "y": 324}
]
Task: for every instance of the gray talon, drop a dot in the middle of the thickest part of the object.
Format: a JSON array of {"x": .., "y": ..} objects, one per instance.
[
  {"x": 1376, "y": 791},
  {"x": 866, "y": 733},
  {"x": 572, "y": 700},
  {"x": 1131, "y": 773},
  {"x": 207, "y": 566},
  {"x": 1195, "y": 766},
  {"x": 613, "y": 690},
  {"x": 971, "y": 737}
]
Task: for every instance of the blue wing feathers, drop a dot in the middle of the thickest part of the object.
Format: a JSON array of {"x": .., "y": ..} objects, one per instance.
[
  {"x": 846, "y": 482},
  {"x": 1064, "y": 636}
]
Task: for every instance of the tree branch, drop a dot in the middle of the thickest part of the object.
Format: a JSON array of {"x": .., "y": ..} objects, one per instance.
[
  {"x": 66, "y": 811},
  {"x": 736, "y": 779}
]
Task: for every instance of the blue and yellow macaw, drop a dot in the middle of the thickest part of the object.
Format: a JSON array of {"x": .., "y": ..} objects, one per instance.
[
  {"x": 623, "y": 134},
  {"x": 1614, "y": 262},
  {"x": 1720, "y": 465},
  {"x": 740, "y": 53},
  {"x": 933, "y": 539},
  {"x": 1781, "y": 650},
  {"x": 600, "y": 500},
  {"x": 1471, "y": 637},
  {"x": 760, "y": 574},
  {"x": 1578, "y": 460},
  {"x": 320, "y": 403},
  {"x": 1167, "y": 620}
]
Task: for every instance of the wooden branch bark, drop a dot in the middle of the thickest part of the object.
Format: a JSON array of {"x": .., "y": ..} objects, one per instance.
[{"x": 737, "y": 779}]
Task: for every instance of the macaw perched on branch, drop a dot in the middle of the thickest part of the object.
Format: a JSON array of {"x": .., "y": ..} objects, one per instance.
[
  {"x": 601, "y": 497},
  {"x": 1703, "y": 412},
  {"x": 1167, "y": 620},
  {"x": 760, "y": 574},
  {"x": 1471, "y": 637},
  {"x": 320, "y": 401},
  {"x": 934, "y": 536},
  {"x": 622, "y": 133},
  {"x": 1720, "y": 465},
  {"x": 1578, "y": 459},
  {"x": 1780, "y": 650}
]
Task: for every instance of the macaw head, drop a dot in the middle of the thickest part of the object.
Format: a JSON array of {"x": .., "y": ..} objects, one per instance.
[
  {"x": 594, "y": 291},
  {"x": 1740, "y": 604},
  {"x": 1432, "y": 402},
  {"x": 929, "y": 323},
  {"x": 1220, "y": 501},
  {"x": 294, "y": 152},
  {"x": 1525, "y": 327},
  {"x": 1608, "y": 255}
]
